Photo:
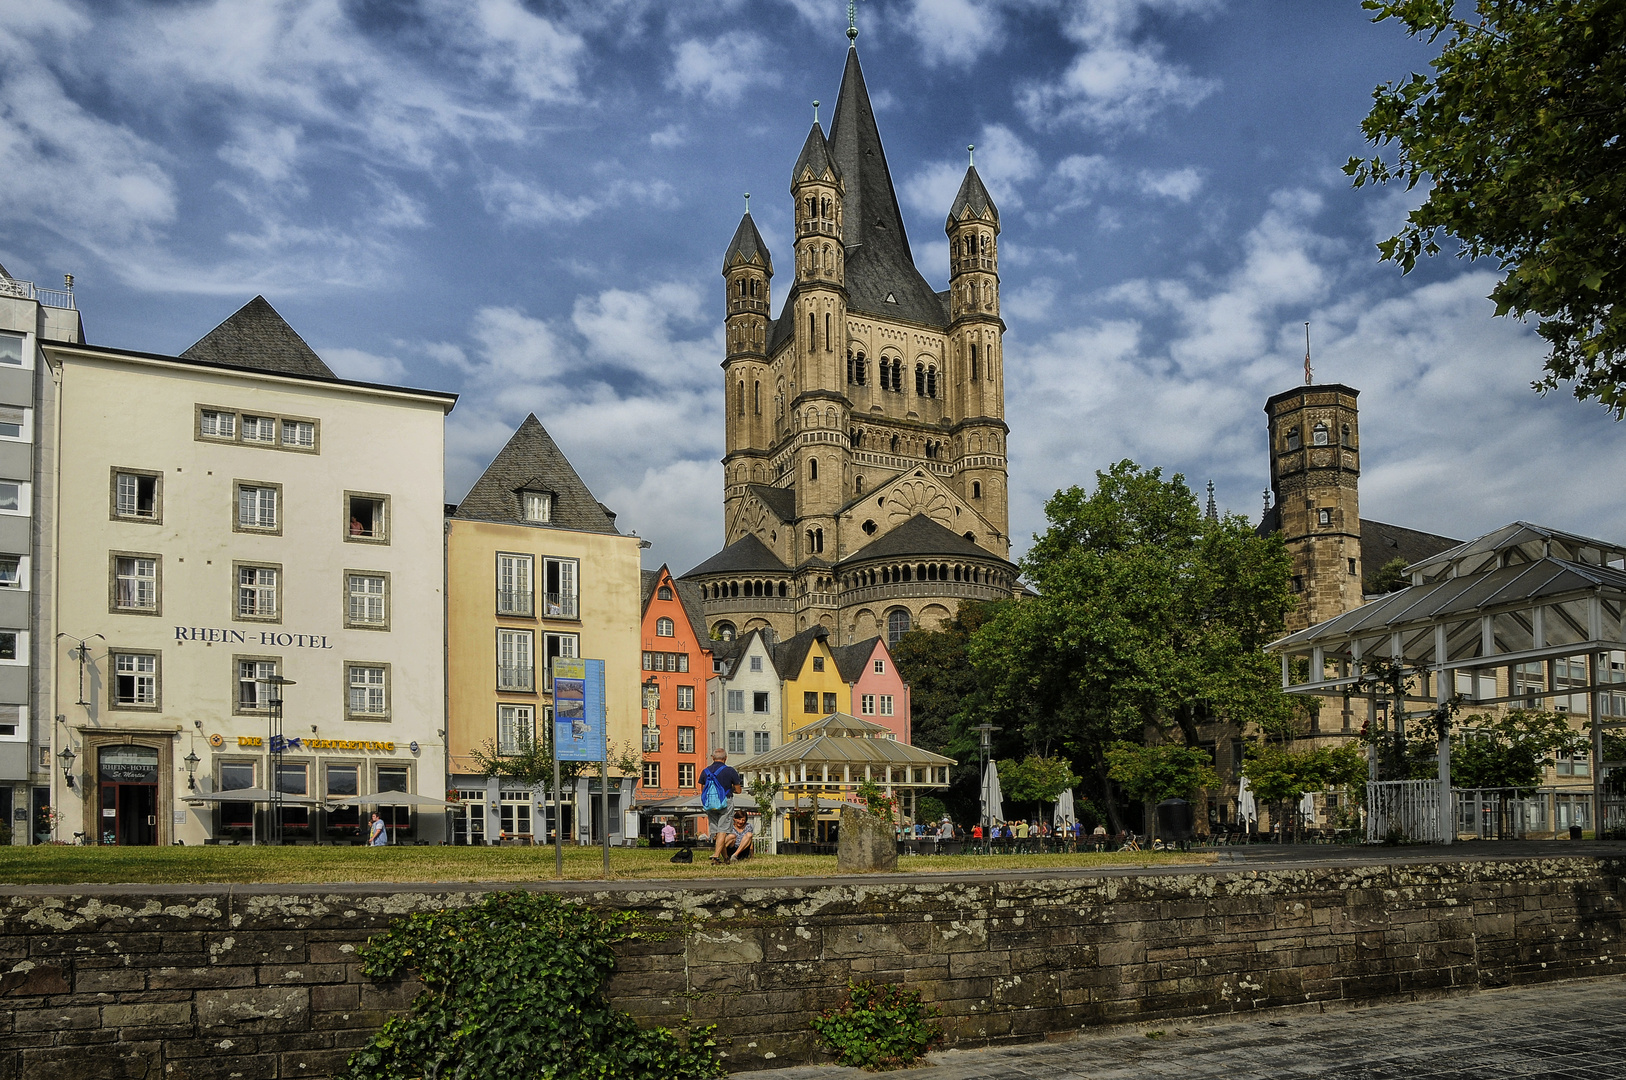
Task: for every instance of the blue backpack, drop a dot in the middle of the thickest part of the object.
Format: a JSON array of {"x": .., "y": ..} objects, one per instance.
[{"x": 712, "y": 794}]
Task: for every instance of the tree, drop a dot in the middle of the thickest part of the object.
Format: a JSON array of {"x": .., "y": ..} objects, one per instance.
[
  {"x": 1511, "y": 751},
  {"x": 1279, "y": 777},
  {"x": 1518, "y": 135},
  {"x": 765, "y": 789},
  {"x": 1390, "y": 577},
  {"x": 1148, "y": 615},
  {"x": 941, "y": 679},
  {"x": 531, "y": 763},
  {"x": 1035, "y": 779},
  {"x": 1154, "y": 773}
]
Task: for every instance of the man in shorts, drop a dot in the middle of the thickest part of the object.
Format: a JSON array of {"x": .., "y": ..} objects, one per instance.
[{"x": 719, "y": 783}]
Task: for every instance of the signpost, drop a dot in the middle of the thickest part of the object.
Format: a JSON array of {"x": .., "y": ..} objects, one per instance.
[{"x": 579, "y": 732}]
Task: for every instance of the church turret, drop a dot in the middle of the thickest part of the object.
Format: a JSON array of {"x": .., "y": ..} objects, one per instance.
[
  {"x": 747, "y": 270},
  {"x": 977, "y": 378}
]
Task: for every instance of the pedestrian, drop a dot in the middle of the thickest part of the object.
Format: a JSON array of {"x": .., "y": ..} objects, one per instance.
[
  {"x": 668, "y": 835},
  {"x": 719, "y": 783},
  {"x": 737, "y": 840},
  {"x": 976, "y": 831},
  {"x": 376, "y": 833}
]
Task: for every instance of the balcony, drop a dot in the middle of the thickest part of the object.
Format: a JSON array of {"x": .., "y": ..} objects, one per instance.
[
  {"x": 25, "y": 290},
  {"x": 516, "y": 678},
  {"x": 514, "y": 602},
  {"x": 559, "y": 605}
]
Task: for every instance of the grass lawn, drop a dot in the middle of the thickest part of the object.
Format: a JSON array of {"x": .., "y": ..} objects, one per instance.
[{"x": 58, "y": 865}]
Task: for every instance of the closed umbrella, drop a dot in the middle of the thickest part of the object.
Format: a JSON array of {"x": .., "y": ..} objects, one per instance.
[
  {"x": 1065, "y": 814},
  {"x": 1246, "y": 811},
  {"x": 1307, "y": 807},
  {"x": 993, "y": 800}
]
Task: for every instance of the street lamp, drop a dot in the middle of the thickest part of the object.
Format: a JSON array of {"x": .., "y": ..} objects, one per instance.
[
  {"x": 66, "y": 757},
  {"x": 191, "y": 760},
  {"x": 275, "y": 745}
]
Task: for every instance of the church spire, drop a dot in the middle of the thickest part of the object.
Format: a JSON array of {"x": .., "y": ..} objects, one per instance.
[
  {"x": 872, "y": 216},
  {"x": 747, "y": 248},
  {"x": 815, "y": 158}
]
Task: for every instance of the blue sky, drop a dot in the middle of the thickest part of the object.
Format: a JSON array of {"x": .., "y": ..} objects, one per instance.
[{"x": 527, "y": 203}]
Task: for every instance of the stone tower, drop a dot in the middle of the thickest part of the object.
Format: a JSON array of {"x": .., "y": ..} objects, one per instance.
[
  {"x": 864, "y": 480},
  {"x": 1315, "y": 471}
]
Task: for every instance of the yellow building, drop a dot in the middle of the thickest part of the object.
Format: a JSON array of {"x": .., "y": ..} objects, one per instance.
[
  {"x": 813, "y": 687},
  {"x": 535, "y": 569},
  {"x": 226, "y": 518}
]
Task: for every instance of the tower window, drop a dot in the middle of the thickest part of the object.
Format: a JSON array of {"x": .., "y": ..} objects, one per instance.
[
  {"x": 756, "y": 398},
  {"x": 973, "y": 363},
  {"x": 1318, "y": 435},
  {"x": 920, "y": 380},
  {"x": 813, "y": 468},
  {"x": 826, "y": 331},
  {"x": 1323, "y": 517},
  {"x": 931, "y": 382},
  {"x": 858, "y": 485},
  {"x": 1298, "y": 583},
  {"x": 1351, "y": 567},
  {"x": 1293, "y": 439},
  {"x": 1346, "y": 436},
  {"x": 897, "y": 625},
  {"x": 976, "y": 489},
  {"x": 739, "y": 398}
]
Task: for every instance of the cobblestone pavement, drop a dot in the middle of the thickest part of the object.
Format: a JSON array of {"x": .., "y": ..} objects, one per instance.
[{"x": 1562, "y": 1031}]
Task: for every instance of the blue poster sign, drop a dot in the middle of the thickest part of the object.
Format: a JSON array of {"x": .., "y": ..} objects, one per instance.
[{"x": 578, "y": 709}]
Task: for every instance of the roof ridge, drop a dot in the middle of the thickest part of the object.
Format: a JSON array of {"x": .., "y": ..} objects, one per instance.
[{"x": 257, "y": 338}]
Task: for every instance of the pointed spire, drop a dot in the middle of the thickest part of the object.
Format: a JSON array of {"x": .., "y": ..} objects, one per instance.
[
  {"x": 872, "y": 212},
  {"x": 1213, "y": 510},
  {"x": 972, "y": 201},
  {"x": 747, "y": 246},
  {"x": 815, "y": 157}
]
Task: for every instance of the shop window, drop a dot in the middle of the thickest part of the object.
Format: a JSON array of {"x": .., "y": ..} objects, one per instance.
[{"x": 343, "y": 782}]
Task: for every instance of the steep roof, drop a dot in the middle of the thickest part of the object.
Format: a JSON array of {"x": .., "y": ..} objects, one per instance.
[
  {"x": 973, "y": 200},
  {"x": 919, "y": 536},
  {"x": 815, "y": 158},
  {"x": 851, "y": 660},
  {"x": 687, "y": 593},
  {"x": 747, "y": 247},
  {"x": 1381, "y": 543},
  {"x": 745, "y": 555},
  {"x": 790, "y": 654},
  {"x": 880, "y": 272},
  {"x": 781, "y": 500},
  {"x": 532, "y": 461},
  {"x": 257, "y": 338}
]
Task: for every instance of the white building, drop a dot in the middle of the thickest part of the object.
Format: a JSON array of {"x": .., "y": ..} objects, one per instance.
[
  {"x": 230, "y": 517},
  {"x": 744, "y": 699}
]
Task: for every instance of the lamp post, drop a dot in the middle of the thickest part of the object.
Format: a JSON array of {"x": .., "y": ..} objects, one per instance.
[
  {"x": 985, "y": 744},
  {"x": 191, "y": 761},
  {"x": 67, "y": 757},
  {"x": 276, "y": 745}
]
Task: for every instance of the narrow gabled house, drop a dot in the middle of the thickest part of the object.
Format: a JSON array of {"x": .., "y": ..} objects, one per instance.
[
  {"x": 676, "y": 658},
  {"x": 878, "y": 693}
]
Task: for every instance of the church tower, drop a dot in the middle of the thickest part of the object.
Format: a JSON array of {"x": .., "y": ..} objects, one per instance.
[
  {"x": 864, "y": 476},
  {"x": 1315, "y": 471}
]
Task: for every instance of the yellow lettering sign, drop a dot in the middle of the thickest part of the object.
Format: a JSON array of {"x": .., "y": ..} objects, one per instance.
[{"x": 248, "y": 740}]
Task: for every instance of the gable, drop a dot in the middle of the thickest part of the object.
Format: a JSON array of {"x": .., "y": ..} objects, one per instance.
[{"x": 900, "y": 500}]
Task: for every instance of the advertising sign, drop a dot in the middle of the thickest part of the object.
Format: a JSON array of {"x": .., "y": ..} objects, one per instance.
[
  {"x": 128, "y": 764},
  {"x": 578, "y": 709}
]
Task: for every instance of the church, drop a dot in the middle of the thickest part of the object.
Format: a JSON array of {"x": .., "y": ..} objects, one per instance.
[{"x": 864, "y": 478}]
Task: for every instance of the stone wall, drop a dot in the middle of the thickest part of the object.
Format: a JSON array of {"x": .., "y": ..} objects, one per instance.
[{"x": 197, "y": 982}]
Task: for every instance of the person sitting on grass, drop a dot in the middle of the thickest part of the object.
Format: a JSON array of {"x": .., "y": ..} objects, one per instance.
[{"x": 737, "y": 840}]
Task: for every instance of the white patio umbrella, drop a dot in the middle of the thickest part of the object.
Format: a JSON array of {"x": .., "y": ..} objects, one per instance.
[
  {"x": 1246, "y": 811},
  {"x": 250, "y": 795},
  {"x": 1307, "y": 807},
  {"x": 1064, "y": 814},
  {"x": 993, "y": 800}
]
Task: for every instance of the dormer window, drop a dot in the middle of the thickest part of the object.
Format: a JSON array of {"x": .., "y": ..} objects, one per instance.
[
  {"x": 664, "y": 592},
  {"x": 536, "y": 505},
  {"x": 1318, "y": 435}
]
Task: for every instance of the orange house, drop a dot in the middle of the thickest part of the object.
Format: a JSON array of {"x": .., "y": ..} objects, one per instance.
[{"x": 676, "y": 664}]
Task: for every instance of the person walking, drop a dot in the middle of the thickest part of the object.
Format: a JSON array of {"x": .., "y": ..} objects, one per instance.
[
  {"x": 719, "y": 783},
  {"x": 668, "y": 835},
  {"x": 376, "y": 834}
]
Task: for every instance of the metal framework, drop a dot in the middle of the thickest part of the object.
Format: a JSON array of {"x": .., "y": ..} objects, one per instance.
[{"x": 1521, "y": 595}]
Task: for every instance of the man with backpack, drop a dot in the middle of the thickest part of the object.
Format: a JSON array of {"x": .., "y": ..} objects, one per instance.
[{"x": 718, "y": 785}]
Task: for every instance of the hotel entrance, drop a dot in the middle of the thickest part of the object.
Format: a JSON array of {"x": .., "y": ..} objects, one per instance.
[{"x": 128, "y": 778}]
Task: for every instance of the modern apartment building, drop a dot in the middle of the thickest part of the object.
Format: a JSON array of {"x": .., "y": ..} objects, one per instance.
[
  {"x": 535, "y": 569},
  {"x": 28, "y": 316},
  {"x": 249, "y": 590}
]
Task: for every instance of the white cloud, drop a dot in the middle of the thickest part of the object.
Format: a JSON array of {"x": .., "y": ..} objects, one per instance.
[
  {"x": 363, "y": 366},
  {"x": 1181, "y": 185},
  {"x": 1003, "y": 162},
  {"x": 522, "y": 202},
  {"x": 1119, "y": 79},
  {"x": 721, "y": 69},
  {"x": 954, "y": 31}
]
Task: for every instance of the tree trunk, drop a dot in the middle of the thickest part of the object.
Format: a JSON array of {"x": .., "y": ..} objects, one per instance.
[{"x": 1110, "y": 799}]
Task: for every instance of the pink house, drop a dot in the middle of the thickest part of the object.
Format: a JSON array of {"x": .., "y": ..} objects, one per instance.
[{"x": 879, "y": 693}]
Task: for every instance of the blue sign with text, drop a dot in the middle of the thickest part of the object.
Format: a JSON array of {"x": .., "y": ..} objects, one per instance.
[{"x": 578, "y": 710}]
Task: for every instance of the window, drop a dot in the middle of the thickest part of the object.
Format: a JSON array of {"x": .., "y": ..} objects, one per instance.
[
  {"x": 897, "y": 625},
  {"x": 514, "y": 660},
  {"x": 369, "y": 690},
  {"x": 760, "y": 741},
  {"x": 135, "y": 495},
  {"x": 14, "y": 497},
  {"x": 1323, "y": 517},
  {"x": 135, "y": 583},
  {"x": 556, "y": 645},
  {"x": 810, "y": 701},
  {"x": 14, "y": 423},
  {"x": 813, "y": 468},
  {"x": 1351, "y": 567},
  {"x": 516, "y": 728},
  {"x": 559, "y": 584},
  {"x": 1573, "y": 764},
  {"x": 976, "y": 489},
  {"x": 366, "y": 600},
  {"x": 830, "y": 704},
  {"x": 725, "y": 631},
  {"x": 13, "y": 571},
  {"x": 393, "y": 778},
  {"x": 736, "y": 701},
  {"x": 759, "y": 701},
  {"x": 685, "y": 699},
  {"x": 664, "y": 592},
  {"x": 257, "y": 592},
  {"x": 886, "y": 704},
  {"x": 253, "y": 693},
  {"x": 686, "y": 774},
  {"x": 1318, "y": 435},
  {"x": 866, "y": 704},
  {"x": 257, "y": 508},
  {"x": 685, "y": 740},
  {"x": 514, "y": 585},
  {"x": 367, "y": 517},
  {"x": 261, "y": 429},
  {"x": 299, "y": 434},
  {"x": 664, "y": 627},
  {"x": 818, "y": 663},
  {"x": 135, "y": 680},
  {"x": 652, "y": 774},
  {"x": 652, "y": 740},
  {"x": 216, "y": 424},
  {"x": 537, "y": 505},
  {"x": 1293, "y": 439},
  {"x": 756, "y": 663},
  {"x": 343, "y": 781},
  {"x": 11, "y": 349},
  {"x": 736, "y": 741},
  {"x": 12, "y": 721},
  {"x": 880, "y": 667}
]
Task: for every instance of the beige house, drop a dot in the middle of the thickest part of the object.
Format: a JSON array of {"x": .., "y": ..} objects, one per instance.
[
  {"x": 535, "y": 569},
  {"x": 231, "y": 517}
]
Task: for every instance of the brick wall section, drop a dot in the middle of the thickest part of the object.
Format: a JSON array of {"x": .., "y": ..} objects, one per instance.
[{"x": 188, "y": 983}]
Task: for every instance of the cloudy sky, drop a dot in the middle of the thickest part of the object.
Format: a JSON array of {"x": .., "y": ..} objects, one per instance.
[{"x": 527, "y": 201}]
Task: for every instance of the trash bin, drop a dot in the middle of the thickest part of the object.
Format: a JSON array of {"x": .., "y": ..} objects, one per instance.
[
  {"x": 1575, "y": 832},
  {"x": 1174, "y": 821}
]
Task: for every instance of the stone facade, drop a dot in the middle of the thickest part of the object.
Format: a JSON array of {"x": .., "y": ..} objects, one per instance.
[{"x": 263, "y": 981}]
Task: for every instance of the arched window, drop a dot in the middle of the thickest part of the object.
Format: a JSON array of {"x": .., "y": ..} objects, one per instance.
[
  {"x": 973, "y": 363},
  {"x": 897, "y": 376},
  {"x": 756, "y": 397},
  {"x": 812, "y": 331},
  {"x": 724, "y": 631},
  {"x": 818, "y": 541},
  {"x": 826, "y": 331},
  {"x": 1293, "y": 439},
  {"x": 894, "y": 444},
  {"x": 664, "y": 592},
  {"x": 739, "y": 398},
  {"x": 931, "y": 382},
  {"x": 850, "y": 379},
  {"x": 1346, "y": 436},
  {"x": 858, "y": 484},
  {"x": 812, "y": 468},
  {"x": 1318, "y": 434},
  {"x": 756, "y": 287},
  {"x": 897, "y": 625},
  {"x": 664, "y": 627},
  {"x": 976, "y": 489},
  {"x": 863, "y": 376},
  {"x": 920, "y": 380}
]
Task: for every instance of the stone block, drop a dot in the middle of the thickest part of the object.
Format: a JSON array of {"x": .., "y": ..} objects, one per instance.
[
  {"x": 866, "y": 844},
  {"x": 120, "y": 1061},
  {"x": 262, "y": 1009},
  {"x": 876, "y": 939},
  {"x": 147, "y": 1015},
  {"x": 108, "y": 980},
  {"x": 300, "y": 974},
  {"x": 32, "y": 980},
  {"x": 223, "y": 1067},
  {"x": 81, "y": 1016},
  {"x": 188, "y": 978},
  {"x": 724, "y": 945}
]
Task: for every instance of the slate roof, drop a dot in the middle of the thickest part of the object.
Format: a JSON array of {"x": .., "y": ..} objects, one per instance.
[
  {"x": 790, "y": 654},
  {"x": 747, "y": 246},
  {"x": 781, "y": 500},
  {"x": 257, "y": 338},
  {"x": 851, "y": 660},
  {"x": 919, "y": 536},
  {"x": 837, "y": 740},
  {"x": 745, "y": 555},
  {"x": 688, "y": 594},
  {"x": 1381, "y": 543},
  {"x": 532, "y": 461},
  {"x": 815, "y": 157},
  {"x": 973, "y": 197}
]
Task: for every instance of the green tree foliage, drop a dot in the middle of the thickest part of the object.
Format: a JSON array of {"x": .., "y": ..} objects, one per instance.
[
  {"x": 1511, "y": 751},
  {"x": 1278, "y": 775},
  {"x": 1035, "y": 779},
  {"x": 764, "y": 789},
  {"x": 514, "y": 986},
  {"x": 1517, "y": 134},
  {"x": 882, "y": 1026},
  {"x": 942, "y": 682},
  {"x": 1155, "y": 773},
  {"x": 531, "y": 764},
  {"x": 1147, "y": 614},
  {"x": 1390, "y": 577}
]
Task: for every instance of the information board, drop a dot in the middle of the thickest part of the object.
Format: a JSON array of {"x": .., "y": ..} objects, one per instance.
[{"x": 578, "y": 709}]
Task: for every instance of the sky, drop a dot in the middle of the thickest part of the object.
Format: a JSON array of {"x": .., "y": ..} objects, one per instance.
[{"x": 527, "y": 202}]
